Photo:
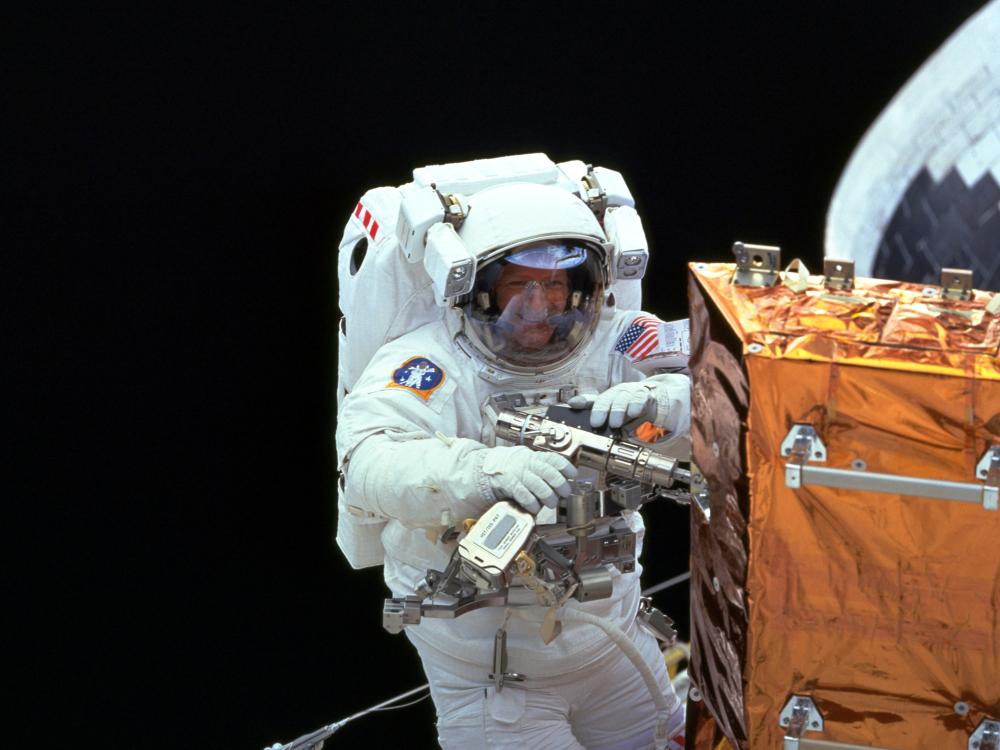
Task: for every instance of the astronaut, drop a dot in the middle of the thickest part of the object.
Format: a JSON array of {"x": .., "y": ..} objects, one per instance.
[{"x": 417, "y": 449}]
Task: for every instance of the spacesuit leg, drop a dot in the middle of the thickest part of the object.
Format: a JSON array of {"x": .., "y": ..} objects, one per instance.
[
  {"x": 617, "y": 712},
  {"x": 473, "y": 716}
]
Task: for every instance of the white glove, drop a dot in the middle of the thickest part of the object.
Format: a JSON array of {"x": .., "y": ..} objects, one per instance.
[
  {"x": 528, "y": 477},
  {"x": 620, "y": 403},
  {"x": 664, "y": 400}
]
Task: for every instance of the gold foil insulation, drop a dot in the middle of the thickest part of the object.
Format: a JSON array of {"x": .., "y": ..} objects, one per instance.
[{"x": 883, "y": 608}]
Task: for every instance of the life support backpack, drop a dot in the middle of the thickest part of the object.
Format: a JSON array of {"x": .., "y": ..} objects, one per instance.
[{"x": 384, "y": 295}]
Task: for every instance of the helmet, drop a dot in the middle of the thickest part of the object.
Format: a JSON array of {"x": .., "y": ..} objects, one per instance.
[{"x": 541, "y": 271}]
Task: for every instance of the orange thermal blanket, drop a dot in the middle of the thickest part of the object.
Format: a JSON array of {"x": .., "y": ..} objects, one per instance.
[{"x": 881, "y": 607}]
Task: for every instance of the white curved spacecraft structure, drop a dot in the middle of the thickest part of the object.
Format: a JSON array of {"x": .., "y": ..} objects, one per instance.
[{"x": 922, "y": 189}]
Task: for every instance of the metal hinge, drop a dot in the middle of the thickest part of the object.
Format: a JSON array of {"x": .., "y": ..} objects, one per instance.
[
  {"x": 988, "y": 469},
  {"x": 756, "y": 265},
  {"x": 804, "y": 446},
  {"x": 986, "y": 736},
  {"x": 839, "y": 274},
  {"x": 454, "y": 211},
  {"x": 699, "y": 492},
  {"x": 799, "y": 716},
  {"x": 595, "y": 195},
  {"x": 956, "y": 283},
  {"x": 655, "y": 622}
]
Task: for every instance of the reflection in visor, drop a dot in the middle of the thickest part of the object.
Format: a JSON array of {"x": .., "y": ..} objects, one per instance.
[
  {"x": 550, "y": 256},
  {"x": 537, "y": 304}
]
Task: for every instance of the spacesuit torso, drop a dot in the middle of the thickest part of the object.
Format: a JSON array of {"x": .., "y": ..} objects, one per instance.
[{"x": 451, "y": 401}]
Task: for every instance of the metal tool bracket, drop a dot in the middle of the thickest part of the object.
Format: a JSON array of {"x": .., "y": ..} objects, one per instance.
[
  {"x": 956, "y": 283},
  {"x": 986, "y": 736},
  {"x": 988, "y": 469},
  {"x": 799, "y": 716},
  {"x": 838, "y": 274},
  {"x": 805, "y": 448},
  {"x": 756, "y": 265},
  {"x": 802, "y": 444}
]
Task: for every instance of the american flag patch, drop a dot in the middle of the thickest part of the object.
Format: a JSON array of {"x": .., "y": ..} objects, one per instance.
[{"x": 640, "y": 338}]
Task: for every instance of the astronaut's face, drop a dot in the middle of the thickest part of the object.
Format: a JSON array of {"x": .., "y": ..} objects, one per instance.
[{"x": 527, "y": 298}]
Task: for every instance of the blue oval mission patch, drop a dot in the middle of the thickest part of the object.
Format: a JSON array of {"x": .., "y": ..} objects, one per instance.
[{"x": 419, "y": 376}]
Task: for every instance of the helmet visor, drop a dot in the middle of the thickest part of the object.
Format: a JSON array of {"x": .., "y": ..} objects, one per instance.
[{"x": 536, "y": 304}]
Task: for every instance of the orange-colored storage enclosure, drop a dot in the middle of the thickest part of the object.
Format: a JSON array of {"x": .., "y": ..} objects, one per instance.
[{"x": 880, "y": 607}]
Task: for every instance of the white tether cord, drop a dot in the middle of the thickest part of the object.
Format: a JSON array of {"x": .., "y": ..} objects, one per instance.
[
  {"x": 623, "y": 642},
  {"x": 635, "y": 657}
]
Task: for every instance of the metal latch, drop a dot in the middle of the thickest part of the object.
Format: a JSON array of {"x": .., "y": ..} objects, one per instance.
[
  {"x": 595, "y": 195},
  {"x": 454, "y": 212},
  {"x": 756, "y": 265},
  {"x": 839, "y": 274},
  {"x": 988, "y": 469},
  {"x": 986, "y": 736},
  {"x": 956, "y": 283},
  {"x": 699, "y": 492},
  {"x": 803, "y": 445},
  {"x": 655, "y": 622},
  {"x": 500, "y": 675},
  {"x": 799, "y": 716}
]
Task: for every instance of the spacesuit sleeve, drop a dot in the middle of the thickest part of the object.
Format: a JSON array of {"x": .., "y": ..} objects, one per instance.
[
  {"x": 673, "y": 402},
  {"x": 420, "y": 481},
  {"x": 396, "y": 440}
]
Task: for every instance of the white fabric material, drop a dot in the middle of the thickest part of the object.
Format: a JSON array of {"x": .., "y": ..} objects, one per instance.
[
  {"x": 506, "y": 214},
  {"x": 665, "y": 400},
  {"x": 396, "y": 465},
  {"x": 384, "y": 297},
  {"x": 530, "y": 478},
  {"x": 663, "y": 708},
  {"x": 386, "y": 445},
  {"x": 604, "y": 706}
]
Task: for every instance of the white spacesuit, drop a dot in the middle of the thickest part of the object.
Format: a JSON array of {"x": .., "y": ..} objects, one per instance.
[{"x": 419, "y": 455}]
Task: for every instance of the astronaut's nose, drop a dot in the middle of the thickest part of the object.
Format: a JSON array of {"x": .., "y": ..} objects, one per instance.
[{"x": 535, "y": 303}]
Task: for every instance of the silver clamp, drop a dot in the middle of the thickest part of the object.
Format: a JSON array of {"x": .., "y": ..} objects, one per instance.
[
  {"x": 595, "y": 196},
  {"x": 802, "y": 444},
  {"x": 655, "y": 622},
  {"x": 956, "y": 283},
  {"x": 838, "y": 274},
  {"x": 500, "y": 675},
  {"x": 988, "y": 469},
  {"x": 756, "y": 265},
  {"x": 805, "y": 448},
  {"x": 986, "y": 736},
  {"x": 799, "y": 716},
  {"x": 454, "y": 211},
  {"x": 399, "y": 612}
]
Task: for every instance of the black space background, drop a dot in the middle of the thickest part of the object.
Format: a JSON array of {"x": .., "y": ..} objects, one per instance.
[{"x": 176, "y": 183}]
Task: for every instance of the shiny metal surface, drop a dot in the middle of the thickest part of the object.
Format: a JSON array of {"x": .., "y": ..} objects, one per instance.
[{"x": 612, "y": 455}]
